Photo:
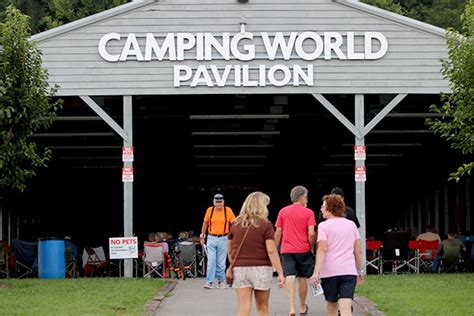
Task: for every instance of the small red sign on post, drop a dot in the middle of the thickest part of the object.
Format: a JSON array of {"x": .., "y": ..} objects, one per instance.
[
  {"x": 127, "y": 174},
  {"x": 127, "y": 154},
  {"x": 359, "y": 152},
  {"x": 360, "y": 174}
]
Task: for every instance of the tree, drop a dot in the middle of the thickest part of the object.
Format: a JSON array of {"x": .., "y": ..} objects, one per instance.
[
  {"x": 388, "y": 5},
  {"x": 65, "y": 11},
  {"x": 457, "y": 122},
  {"x": 428, "y": 11},
  {"x": 47, "y": 14},
  {"x": 26, "y": 103}
]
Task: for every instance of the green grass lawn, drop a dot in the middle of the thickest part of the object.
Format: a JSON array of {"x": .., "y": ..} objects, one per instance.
[
  {"x": 83, "y": 296},
  {"x": 423, "y": 294}
]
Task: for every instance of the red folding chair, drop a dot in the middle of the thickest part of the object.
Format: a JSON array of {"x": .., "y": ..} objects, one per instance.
[
  {"x": 373, "y": 255},
  {"x": 428, "y": 252},
  {"x": 414, "y": 256}
]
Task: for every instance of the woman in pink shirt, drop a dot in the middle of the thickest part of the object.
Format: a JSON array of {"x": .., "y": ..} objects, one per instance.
[{"x": 339, "y": 257}]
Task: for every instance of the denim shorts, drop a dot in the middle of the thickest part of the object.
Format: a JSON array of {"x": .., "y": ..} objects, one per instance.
[{"x": 255, "y": 277}]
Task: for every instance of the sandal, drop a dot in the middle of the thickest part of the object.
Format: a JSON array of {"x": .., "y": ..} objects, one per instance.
[{"x": 305, "y": 310}]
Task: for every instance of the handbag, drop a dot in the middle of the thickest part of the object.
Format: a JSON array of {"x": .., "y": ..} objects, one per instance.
[{"x": 229, "y": 276}]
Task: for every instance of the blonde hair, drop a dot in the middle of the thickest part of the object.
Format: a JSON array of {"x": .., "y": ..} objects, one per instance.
[
  {"x": 184, "y": 235},
  {"x": 253, "y": 209}
]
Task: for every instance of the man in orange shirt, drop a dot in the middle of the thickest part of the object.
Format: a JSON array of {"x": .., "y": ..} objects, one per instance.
[{"x": 216, "y": 225}]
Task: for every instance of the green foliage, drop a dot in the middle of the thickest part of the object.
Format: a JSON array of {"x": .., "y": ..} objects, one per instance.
[
  {"x": 388, "y": 5},
  {"x": 457, "y": 123},
  {"x": 82, "y": 296},
  {"x": 442, "y": 13},
  {"x": 65, "y": 11},
  {"x": 422, "y": 294},
  {"x": 26, "y": 103},
  {"x": 47, "y": 14}
]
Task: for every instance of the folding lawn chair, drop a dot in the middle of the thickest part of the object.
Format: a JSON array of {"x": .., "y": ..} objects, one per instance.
[
  {"x": 414, "y": 255},
  {"x": 94, "y": 261},
  {"x": 153, "y": 260},
  {"x": 187, "y": 255},
  {"x": 70, "y": 261},
  {"x": 3, "y": 259},
  {"x": 428, "y": 252},
  {"x": 395, "y": 249},
  {"x": 374, "y": 255},
  {"x": 201, "y": 260},
  {"x": 26, "y": 258}
]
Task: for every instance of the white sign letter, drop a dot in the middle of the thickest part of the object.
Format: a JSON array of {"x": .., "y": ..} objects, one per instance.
[
  {"x": 152, "y": 46},
  {"x": 210, "y": 42},
  {"x": 298, "y": 73},
  {"x": 286, "y": 75},
  {"x": 131, "y": 47},
  {"x": 201, "y": 76},
  {"x": 335, "y": 46},
  {"x": 279, "y": 41},
  {"x": 368, "y": 45},
  {"x": 351, "y": 54},
  {"x": 103, "y": 47},
  {"x": 249, "y": 48},
  {"x": 299, "y": 45},
  {"x": 178, "y": 78},
  {"x": 184, "y": 41}
]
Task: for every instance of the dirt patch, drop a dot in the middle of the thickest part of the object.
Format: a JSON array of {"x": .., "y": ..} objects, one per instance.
[
  {"x": 152, "y": 306},
  {"x": 4, "y": 286}
]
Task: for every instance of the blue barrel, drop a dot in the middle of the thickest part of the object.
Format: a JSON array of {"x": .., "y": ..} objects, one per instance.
[{"x": 51, "y": 263}]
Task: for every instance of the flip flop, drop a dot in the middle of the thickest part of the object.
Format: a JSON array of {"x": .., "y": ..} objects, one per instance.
[{"x": 305, "y": 310}]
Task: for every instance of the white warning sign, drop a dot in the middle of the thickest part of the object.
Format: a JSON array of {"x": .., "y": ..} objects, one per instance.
[
  {"x": 127, "y": 174},
  {"x": 359, "y": 152},
  {"x": 127, "y": 154},
  {"x": 360, "y": 174}
]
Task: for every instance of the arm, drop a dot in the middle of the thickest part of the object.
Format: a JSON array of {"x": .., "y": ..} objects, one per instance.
[
  {"x": 320, "y": 256},
  {"x": 358, "y": 256},
  {"x": 202, "y": 237},
  {"x": 229, "y": 250},
  {"x": 278, "y": 233},
  {"x": 311, "y": 237},
  {"x": 275, "y": 260}
]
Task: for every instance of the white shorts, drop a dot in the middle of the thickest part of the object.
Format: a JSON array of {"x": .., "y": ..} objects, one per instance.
[{"x": 255, "y": 277}]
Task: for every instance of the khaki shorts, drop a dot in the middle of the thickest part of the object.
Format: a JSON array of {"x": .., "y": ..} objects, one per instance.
[{"x": 256, "y": 277}]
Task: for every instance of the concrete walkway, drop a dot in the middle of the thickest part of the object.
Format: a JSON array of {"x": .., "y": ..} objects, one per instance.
[{"x": 190, "y": 298}]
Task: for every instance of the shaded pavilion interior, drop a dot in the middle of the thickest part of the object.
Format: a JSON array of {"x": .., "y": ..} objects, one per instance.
[{"x": 187, "y": 148}]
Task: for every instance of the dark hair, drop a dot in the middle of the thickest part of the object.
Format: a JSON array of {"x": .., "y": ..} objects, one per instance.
[
  {"x": 337, "y": 191},
  {"x": 335, "y": 204}
]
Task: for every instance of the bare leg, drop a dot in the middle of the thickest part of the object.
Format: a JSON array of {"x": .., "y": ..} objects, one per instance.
[
  {"x": 332, "y": 309},
  {"x": 290, "y": 292},
  {"x": 261, "y": 300},
  {"x": 303, "y": 291},
  {"x": 244, "y": 299},
  {"x": 345, "y": 306}
]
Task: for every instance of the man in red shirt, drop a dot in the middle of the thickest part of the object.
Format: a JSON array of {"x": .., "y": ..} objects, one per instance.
[{"x": 295, "y": 228}]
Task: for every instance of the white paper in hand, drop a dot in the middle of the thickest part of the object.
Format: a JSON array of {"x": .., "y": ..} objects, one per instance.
[{"x": 318, "y": 290}]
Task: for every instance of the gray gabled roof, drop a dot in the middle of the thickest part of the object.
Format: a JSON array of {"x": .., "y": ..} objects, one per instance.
[
  {"x": 91, "y": 20},
  {"x": 354, "y": 4},
  {"x": 394, "y": 17}
]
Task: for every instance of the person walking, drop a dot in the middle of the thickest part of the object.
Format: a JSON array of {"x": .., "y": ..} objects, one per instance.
[
  {"x": 295, "y": 228},
  {"x": 216, "y": 226},
  {"x": 349, "y": 213},
  {"x": 253, "y": 234},
  {"x": 339, "y": 257}
]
